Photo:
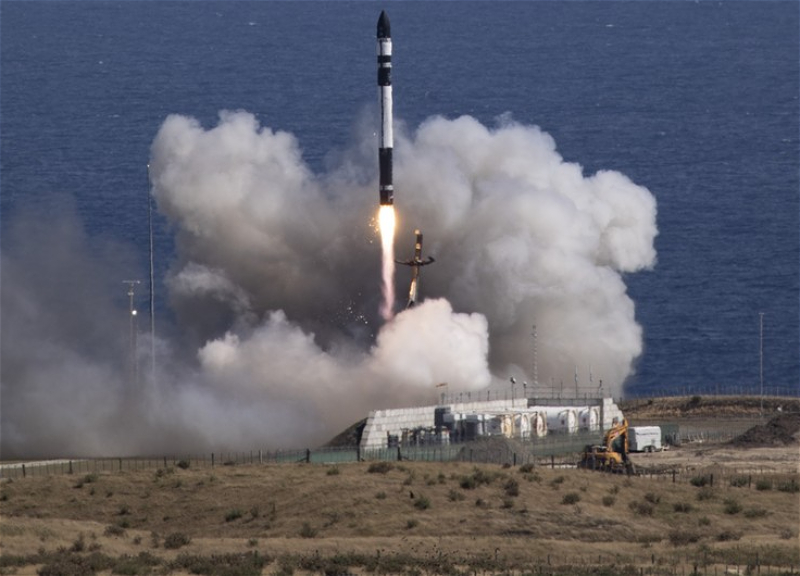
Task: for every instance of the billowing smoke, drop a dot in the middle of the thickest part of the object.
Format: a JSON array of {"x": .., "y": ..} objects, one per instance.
[{"x": 276, "y": 288}]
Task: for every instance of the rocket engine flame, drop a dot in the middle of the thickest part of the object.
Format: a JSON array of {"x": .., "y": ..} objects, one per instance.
[{"x": 386, "y": 221}]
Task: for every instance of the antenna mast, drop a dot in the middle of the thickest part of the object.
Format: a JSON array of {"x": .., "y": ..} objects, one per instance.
[
  {"x": 132, "y": 314},
  {"x": 152, "y": 281}
]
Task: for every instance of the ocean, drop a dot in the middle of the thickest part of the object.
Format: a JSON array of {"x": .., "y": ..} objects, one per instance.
[{"x": 695, "y": 101}]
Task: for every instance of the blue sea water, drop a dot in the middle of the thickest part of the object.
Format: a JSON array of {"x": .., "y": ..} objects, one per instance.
[{"x": 697, "y": 101}]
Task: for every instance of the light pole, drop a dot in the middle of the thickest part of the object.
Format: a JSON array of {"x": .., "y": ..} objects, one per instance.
[
  {"x": 132, "y": 315},
  {"x": 761, "y": 357}
]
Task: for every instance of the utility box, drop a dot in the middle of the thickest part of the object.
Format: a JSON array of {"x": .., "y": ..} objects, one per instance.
[{"x": 644, "y": 439}]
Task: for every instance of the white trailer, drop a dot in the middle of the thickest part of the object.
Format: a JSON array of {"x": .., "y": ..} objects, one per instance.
[{"x": 644, "y": 438}]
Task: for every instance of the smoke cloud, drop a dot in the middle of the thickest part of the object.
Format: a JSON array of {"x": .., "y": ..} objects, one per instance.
[{"x": 275, "y": 290}]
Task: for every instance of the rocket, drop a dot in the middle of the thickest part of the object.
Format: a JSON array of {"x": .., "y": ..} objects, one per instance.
[{"x": 385, "y": 95}]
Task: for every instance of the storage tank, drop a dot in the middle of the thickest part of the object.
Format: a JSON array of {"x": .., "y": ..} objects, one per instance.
[
  {"x": 522, "y": 426},
  {"x": 589, "y": 418},
  {"x": 507, "y": 425},
  {"x": 538, "y": 424},
  {"x": 564, "y": 421}
]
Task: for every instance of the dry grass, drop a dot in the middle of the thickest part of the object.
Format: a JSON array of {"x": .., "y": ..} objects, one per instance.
[{"x": 414, "y": 509}]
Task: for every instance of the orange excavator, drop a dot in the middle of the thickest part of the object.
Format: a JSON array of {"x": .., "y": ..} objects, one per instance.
[{"x": 612, "y": 455}]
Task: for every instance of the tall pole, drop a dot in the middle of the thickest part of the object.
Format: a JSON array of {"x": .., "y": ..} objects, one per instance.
[
  {"x": 535, "y": 362},
  {"x": 761, "y": 357},
  {"x": 132, "y": 316},
  {"x": 152, "y": 282}
]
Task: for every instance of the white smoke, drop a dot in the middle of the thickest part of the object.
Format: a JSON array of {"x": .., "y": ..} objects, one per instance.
[{"x": 276, "y": 288}]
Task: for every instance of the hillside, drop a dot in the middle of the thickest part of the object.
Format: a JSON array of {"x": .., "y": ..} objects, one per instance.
[{"x": 408, "y": 516}]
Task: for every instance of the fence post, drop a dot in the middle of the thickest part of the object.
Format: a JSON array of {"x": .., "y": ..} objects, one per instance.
[
  {"x": 212, "y": 459},
  {"x": 552, "y": 462},
  {"x": 308, "y": 456},
  {"x": 23, "y": 469}
]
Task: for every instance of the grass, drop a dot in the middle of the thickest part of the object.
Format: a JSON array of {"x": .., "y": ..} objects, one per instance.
[{"x": 299, "y": 510}]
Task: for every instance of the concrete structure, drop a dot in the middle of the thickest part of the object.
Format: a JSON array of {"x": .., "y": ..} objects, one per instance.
[{"x": 487, "y": 417}]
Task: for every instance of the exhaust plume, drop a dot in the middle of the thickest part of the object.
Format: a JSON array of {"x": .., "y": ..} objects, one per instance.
[
  {"x": 387, "y": 224},
  {"x": 277, "y": 341}
]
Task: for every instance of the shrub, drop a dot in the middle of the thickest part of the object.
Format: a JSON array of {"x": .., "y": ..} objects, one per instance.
[
  {"x": 705, "y": 493},
  {"x": 739, "y": 481},
  {"x": 652, "y": 497},
  {"x": 728, "y": 536},
  {"x": 233, "y": 514},
  {"x": 114, "y": 530},
  {"x": 124, "y": 510},
  {"x": 507, "y": 503},
  {"x": 252, "y": 542},
  {"x": 609, "y": 501},
  {"x": 307, "y": 531},
  {"x": 422, "y": 503},
  {"x": 682, "y": 507},
  {"x": 176, "y": 540},
  {"x": 790, "y": 486},
  {"x": 455, "y": 496},
  {"x": 641, "y": 508},
  {"x": 732, "y": 506},
  {"x": 467, "y": 483},
  {"x": 332, "y": 471},
  {"x": 557, "y": 480},
  {"x": 614, "y": 489},
  {"x": 700, "y": 481},
  {"x": 526, "y": 468},
  {"x": 755, "y": 513},
  {"x": 683, "y": 537},
  {"x": 379, "y": 467},
  {"x": 763, "y": 484},
  {"x": 511, "y": 487},
  {"x": 182, "y": 464},
  {"x": 571, "y": 498},
  {"x": 381, "y": 495},
  {"x": 412, "y": 523},
  {"x": 703, "y": 521}
]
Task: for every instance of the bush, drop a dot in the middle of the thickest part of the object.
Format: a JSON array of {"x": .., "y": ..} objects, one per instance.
[
  {"x": 412, "y": 523},
  {"x": 700, "y": 481},
  {"x": 114, "y": 530},
  {"x": 755, "y": 513},
  {"x": 609, "y": 501},
  {"x": 332, "y": 471},
  {"x": 614, "y": 489},
  {"x": 511, "y": 487},
  {"x": 526, "y": 468},
  {"x": 176, "y": 540},
  {"x": 705, "y": 493},
  {"x": 182, "y": 464},
  {"x": 732, "y": 506},
  {"x": 652, "y": 497},
  {"x": 307, "y": 531},
  {"x": 232, "y": 515},
  {"x": 683, "y": 507},
  {"x": 571, "y": 498},
  {"x": 641, "y": 508},
  {"x": 739, "y": 481},
  {"x": 683, "y": 537},
  {"x": 507, "y": 503},
  {"x": 422, "y": 503},
  {"x": 455, "y": 496},
  {"x": 790, "y": 486},
  {"x": 381, "y": 495},
  {"x": 379, "y": 467},
  {"x": 703, "y": 521},
  {"x": 728, "y": 536},
  {"x": 763, "y": 484}
]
